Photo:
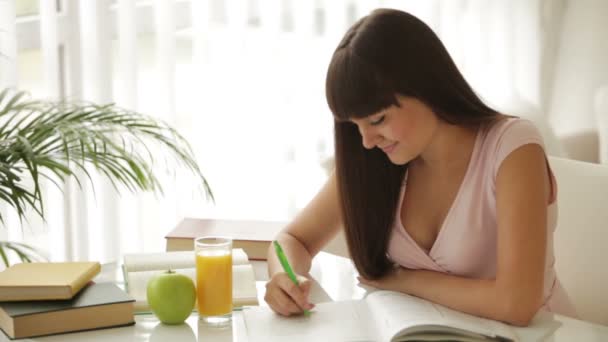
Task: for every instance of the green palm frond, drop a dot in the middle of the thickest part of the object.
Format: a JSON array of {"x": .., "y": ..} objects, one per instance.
[
  {"x": 24, "y": 252},
  {"x": 46, "y": 139}
]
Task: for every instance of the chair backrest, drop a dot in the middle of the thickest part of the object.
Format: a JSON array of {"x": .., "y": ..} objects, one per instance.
[
  {"x": 581, "y": 237},
  {"x": 601, "y": 116}
]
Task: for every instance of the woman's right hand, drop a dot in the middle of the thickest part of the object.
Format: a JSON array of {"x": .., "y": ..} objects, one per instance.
[{"x": 287, "y": 298}]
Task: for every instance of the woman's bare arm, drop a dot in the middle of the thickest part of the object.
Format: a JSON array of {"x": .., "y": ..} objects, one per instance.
[
  {"x": 304, "y": 237},
  {"x": 310, "y": 231}
]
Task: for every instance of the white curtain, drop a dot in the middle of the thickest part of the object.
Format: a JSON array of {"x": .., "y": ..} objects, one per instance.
[{"x": 243, "y": 80}]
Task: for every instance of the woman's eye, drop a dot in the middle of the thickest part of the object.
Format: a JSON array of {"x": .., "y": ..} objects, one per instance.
[{"x": 377, "y": 121}]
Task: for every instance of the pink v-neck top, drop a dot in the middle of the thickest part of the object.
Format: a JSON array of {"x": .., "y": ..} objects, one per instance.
[{"x": 466, "y": 243}]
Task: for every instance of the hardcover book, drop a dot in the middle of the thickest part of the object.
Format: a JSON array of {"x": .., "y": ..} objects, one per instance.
[
  {"x": 253, "y": 237},
  {"x": 45, "y": 280},
  {"x": 97, "y": 306}
]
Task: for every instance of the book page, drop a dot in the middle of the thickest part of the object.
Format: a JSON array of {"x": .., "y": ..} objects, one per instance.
[
  {"x": 480, "y": 325},
  {"x": 394, "y": 311},
  {"x": 175, "y": 260},
  {"x": 244, "y": 290},
  {"x": 397, "y": 313},
  {"x": 332, "y": 321}
]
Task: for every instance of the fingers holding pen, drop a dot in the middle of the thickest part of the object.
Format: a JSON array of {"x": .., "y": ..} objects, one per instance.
[
  {"x": 298, "y": 293},
  {"x": 287, "y": 298},
  {"x": 284, "y": 305}
]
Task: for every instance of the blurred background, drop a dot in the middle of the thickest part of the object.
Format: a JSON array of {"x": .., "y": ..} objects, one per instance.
[{"x": 243, "y": 81}]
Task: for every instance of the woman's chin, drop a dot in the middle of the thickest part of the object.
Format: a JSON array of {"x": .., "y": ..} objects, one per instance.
[{"x": 398, "y": 160}]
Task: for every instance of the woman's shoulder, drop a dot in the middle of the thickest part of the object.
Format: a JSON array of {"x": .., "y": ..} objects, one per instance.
[
  {"x": 512, "y": 127},
  {"x": 507, "y": 134}
]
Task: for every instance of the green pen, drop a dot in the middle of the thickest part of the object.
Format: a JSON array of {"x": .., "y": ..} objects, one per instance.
[{"x": 286, "y": 266}]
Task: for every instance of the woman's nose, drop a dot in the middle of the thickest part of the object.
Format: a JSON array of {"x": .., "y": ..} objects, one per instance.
[{"x": 369, "y": 137}]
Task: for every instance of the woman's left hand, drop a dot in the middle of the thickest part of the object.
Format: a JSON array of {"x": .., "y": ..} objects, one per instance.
[{"x": 395, "y": 280}]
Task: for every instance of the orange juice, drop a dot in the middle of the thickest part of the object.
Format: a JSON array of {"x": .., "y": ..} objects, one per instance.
[{"x": 214, "y": 282}]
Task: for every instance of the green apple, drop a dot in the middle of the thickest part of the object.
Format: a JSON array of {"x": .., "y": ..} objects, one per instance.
[{"x": 171, "y": 297}]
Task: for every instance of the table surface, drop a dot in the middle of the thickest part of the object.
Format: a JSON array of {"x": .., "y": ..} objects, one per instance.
[{"x": 335, "y": 279}]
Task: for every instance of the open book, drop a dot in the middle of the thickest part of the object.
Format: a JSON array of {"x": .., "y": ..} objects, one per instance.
[
  {"x": 138, "y": 269},
  {"x": 381, "y": 316}
]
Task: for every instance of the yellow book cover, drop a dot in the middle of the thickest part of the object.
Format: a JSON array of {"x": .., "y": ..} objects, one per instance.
[{"x": 45, "y": 280}]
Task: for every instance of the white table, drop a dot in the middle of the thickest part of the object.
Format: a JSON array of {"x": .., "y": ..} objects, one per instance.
[{"x": 335, "y": 280}]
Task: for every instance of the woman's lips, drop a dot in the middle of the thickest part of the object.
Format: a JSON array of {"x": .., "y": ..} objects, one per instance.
[{"x": 389, "y": 149}]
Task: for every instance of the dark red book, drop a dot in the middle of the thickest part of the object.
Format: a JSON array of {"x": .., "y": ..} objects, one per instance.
[{"x": 252, "y": 236}]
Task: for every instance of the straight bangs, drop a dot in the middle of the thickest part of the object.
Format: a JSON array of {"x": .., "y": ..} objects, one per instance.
[{"x": 354, "y": 88}]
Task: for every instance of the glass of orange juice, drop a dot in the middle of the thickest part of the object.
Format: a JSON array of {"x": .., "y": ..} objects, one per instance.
[{"x": 214, "y": 279}]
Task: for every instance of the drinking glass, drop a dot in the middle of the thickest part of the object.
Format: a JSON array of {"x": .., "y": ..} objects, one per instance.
[{"x": 214, "y": 279}]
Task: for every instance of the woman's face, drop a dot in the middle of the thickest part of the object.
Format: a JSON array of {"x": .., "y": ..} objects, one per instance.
[{"x": 403, "y": 133}]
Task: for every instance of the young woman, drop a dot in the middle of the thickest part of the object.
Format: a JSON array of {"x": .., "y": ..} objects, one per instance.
[{"x": 440, "y": 196}]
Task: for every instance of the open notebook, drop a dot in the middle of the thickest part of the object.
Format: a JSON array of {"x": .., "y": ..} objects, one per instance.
[
  {"x": 381, "y": 316},
  {"x": 139, "y": 268}
]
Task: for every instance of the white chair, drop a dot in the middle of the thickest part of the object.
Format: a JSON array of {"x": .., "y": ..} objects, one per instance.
[
  {"x": 601, "y": 115},
  {"x": 581, "y": 237}
]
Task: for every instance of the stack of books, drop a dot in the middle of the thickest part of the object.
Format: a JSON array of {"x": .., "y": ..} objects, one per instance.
[{"x": 47, "y": 298}]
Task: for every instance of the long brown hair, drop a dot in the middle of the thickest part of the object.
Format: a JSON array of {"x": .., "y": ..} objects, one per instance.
[{"x": 386, "y": 53}]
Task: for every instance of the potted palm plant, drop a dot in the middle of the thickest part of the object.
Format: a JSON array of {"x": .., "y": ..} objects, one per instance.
[{"x": 57, "y": 140}]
